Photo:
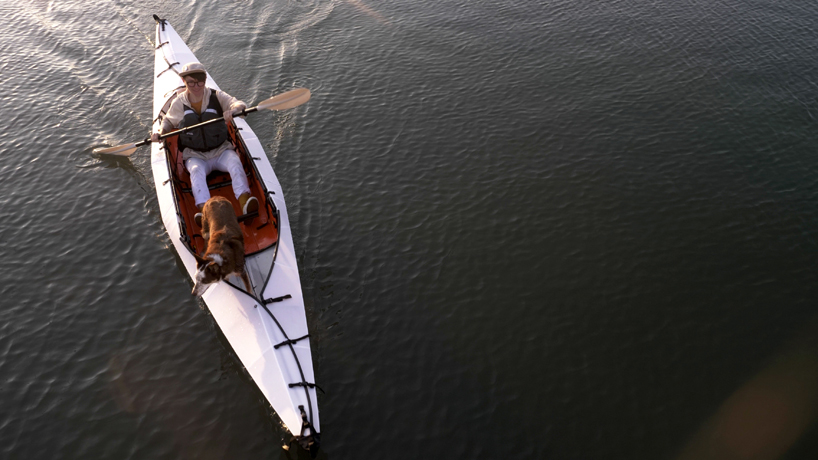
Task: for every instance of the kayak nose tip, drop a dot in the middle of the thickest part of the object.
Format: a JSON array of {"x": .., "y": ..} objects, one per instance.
[
  {"x": 311, "y": 443},
  {"x": 309, "y": 439}
]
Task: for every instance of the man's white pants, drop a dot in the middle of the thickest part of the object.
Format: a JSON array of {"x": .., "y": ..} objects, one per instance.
[{"x": 228, "y": 162}]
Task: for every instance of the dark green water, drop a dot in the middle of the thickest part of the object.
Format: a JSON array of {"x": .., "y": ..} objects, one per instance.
[{"x": 565, "y": 230}]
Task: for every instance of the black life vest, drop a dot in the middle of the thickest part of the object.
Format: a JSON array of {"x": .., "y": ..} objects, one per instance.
[{"x": 207, "y": 137}]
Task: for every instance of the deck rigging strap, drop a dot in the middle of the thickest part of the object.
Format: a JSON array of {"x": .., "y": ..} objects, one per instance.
[
  {"x": 307, "y": 384},
  {"x": 289, "y": 341},
  {"x": 170, "y": 66},
  {"x": 277, "y": 299}
]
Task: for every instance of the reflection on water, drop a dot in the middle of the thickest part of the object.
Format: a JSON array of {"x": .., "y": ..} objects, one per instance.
[
  {"x": 361, "y": 6},
  {"x": 766, "y": 416}
]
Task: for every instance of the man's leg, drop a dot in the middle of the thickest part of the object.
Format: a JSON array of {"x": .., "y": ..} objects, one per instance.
[
  {"x": 198, "y": 170},
  {"x": 229, "y": 161}
]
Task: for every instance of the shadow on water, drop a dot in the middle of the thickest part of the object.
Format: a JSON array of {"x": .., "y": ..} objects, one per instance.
[
  {"x": 111, "y": 162},
  {"x": 116, "y": 162}
]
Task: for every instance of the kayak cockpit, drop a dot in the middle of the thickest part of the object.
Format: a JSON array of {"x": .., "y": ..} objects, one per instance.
[{"x": 260, "y": 228}]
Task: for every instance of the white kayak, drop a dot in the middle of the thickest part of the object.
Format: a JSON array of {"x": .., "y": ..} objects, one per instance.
[{"x": 267, "y": 328}]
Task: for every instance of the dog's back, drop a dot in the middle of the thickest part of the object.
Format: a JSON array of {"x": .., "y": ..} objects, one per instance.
[
  {"x": 224, "y": 245},
  {"x": 218, "y": 220}
]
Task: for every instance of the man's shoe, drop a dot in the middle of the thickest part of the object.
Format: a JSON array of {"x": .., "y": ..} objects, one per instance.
[{"x": 250, "y": 206}]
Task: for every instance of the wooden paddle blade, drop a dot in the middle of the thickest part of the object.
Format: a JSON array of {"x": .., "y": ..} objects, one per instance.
[
  {"x": 120, "y": 150},
  {"x": 288, "y": 100}
]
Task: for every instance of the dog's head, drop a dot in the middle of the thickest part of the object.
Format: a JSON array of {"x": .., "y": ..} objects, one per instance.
[{"x": 208, "y": 271}]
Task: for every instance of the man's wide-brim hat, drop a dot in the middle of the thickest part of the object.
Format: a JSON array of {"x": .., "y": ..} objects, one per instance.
[{"x": 192, "y": 67}]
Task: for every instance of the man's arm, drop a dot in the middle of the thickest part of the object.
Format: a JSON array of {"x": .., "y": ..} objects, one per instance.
[
  {"x": 171, "y": 119},
  {"x": 230, "y": 105}
]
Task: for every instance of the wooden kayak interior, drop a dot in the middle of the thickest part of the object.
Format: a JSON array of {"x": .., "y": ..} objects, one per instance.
[{"x": 260, "y": 228}]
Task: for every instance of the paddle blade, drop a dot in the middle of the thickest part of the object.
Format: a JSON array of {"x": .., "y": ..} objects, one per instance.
[
  {"x": 288, "y": 100},
  {"x": 120, "y": 150}
]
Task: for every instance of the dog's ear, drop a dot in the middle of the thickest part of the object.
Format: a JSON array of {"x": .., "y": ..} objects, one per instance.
[{"x": 200, "y": 261}]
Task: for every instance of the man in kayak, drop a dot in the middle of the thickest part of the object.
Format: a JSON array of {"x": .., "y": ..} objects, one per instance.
[{"x": 208, "y": 148}]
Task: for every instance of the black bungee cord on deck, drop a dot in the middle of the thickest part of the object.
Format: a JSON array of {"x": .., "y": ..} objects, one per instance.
[{"x": 310, "y": 443}]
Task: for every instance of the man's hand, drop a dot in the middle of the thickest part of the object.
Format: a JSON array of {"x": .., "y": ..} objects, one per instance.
[{"x": 228, "y": 116}]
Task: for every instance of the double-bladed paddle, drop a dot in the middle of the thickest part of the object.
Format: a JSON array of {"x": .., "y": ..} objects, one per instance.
[{"x": 283, "y": 101}]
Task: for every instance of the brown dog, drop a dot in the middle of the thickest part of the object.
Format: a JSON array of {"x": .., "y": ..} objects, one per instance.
[{"x": 224, "y": 246}]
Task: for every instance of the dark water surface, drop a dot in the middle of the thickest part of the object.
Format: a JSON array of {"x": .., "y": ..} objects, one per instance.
[{"x": 561, "y": 229}]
